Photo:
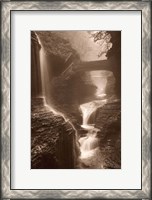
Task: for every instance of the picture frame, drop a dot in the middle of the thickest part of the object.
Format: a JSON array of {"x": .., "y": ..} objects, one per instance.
[{"x": 7, "y": 8}]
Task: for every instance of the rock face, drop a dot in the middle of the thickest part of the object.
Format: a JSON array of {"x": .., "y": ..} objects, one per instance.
[
  {"x": 115, "y": 53},
  {"x": 53, "y": 141},
  {"x": 55, "y": 44},
  {"x": 108, "y": 119}
]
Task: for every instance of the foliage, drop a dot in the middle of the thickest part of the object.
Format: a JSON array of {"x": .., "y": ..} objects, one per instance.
[
  {"x": 110, "y": 42},
  {"x": 103, "y": 38}
]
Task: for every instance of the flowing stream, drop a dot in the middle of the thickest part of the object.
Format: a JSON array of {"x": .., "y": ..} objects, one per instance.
[{"x": 89, "y": 145}]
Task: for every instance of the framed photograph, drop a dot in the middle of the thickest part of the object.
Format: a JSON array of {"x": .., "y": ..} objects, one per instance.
[{"x": 75, "y": 80}]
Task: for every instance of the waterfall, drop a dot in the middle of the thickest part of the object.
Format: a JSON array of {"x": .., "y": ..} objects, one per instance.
[
  {"x": 46, "y": 81},
  {"x": 43, "y": 67},
  {"x": 90, "y": 143},
  {"x": 87, "y": 109}
]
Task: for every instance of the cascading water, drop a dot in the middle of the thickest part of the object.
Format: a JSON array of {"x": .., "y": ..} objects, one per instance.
[
  {"x": 89, "y": 145},
  {"x": 44, "y": 72},
  {"x": 87, "y": 109}
]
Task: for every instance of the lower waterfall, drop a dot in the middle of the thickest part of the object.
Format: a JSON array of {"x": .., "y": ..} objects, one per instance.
[{"x": 89, "y": 145}]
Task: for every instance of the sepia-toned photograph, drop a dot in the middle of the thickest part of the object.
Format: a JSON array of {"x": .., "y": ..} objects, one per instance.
[{"x": 76, "y": 99}]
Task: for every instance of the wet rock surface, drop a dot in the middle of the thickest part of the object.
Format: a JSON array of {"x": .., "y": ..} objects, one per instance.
[
  {"x": 52, "y": 139},
  {"x": 108, "y": 119},
  {"x": 55, "y": 146}
]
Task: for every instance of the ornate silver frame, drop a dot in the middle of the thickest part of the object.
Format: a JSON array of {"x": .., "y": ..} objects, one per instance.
[{"x": 145, "y": 8}]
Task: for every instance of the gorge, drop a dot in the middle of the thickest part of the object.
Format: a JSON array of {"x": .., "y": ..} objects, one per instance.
[{"x": 75, "y": 108}]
